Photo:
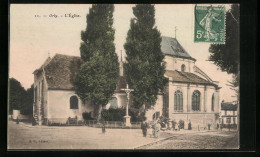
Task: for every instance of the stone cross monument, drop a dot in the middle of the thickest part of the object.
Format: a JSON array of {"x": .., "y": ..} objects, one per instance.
[{"x": 127, "y": 117}]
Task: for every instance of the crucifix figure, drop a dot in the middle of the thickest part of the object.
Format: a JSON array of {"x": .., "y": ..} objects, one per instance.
[{"x": 127, "y": 117}]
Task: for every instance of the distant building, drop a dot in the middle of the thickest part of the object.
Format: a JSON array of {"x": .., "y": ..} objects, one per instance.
[
  {"x": 190, "y": 94},
  {"x": 228, "y": 114}
]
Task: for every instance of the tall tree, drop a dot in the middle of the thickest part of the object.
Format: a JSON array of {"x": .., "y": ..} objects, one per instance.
[
  {"x": 27, "y": 106},
  {"x": 98, "y": 75},
  {"x": 226, "y": 56},
  {"x": 143, "y": 68},
  {"x": 16, "y": 95}
]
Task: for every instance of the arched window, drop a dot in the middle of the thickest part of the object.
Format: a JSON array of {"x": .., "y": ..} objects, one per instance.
[
  {"x": 212, "y": 102},
  {"x": 74, "y": 104},
  {"x": 183, "y": 67},
  {"x": 196, "y": 101},
  {"x": 113, "y": 102},
  {"x": 178, "y": 101}
]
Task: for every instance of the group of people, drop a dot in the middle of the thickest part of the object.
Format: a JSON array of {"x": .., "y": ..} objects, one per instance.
[{"x": 151, "y": 129}]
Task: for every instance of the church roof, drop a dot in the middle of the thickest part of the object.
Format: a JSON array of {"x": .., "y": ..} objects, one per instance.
[
  {"x": 61, "y": 70},
  {"x": 186, "y": 77},
  {"x": 228, "y": 106},
  {"x": 171, "y": 46}
]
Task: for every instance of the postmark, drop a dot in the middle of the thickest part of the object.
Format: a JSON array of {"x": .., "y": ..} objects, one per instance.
[{"x": 210, "y": 24}]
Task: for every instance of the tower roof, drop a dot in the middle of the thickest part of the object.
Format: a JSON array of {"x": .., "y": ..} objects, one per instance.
[{"x": 171, "y": 46}]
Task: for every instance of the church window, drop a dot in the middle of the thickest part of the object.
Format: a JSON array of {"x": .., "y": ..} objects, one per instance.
[
  {"x": 196, "y": 101},
  {"x": 183, "y": 67},
  {"x": 74, "y": 104},
  {"x": 178, "y": 101},
  {"x": 212, "y": 103},
  {"x": 113, "y": 103}
]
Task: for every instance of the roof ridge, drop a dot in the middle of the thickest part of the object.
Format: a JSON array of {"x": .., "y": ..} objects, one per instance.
[{"x": 59, "y": 54}]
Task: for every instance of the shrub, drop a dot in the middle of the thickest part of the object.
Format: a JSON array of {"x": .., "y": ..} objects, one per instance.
[
  {"x": 87, "y": 116},
  {"x": 135, "y": 117},
  {"x": 113, "y": 114}
]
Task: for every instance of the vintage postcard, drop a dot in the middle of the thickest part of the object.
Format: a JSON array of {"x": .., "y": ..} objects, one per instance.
[{"x": 124, "y": 76}]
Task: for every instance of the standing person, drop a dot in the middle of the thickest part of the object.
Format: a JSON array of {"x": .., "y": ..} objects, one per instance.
[
  {"x": 144, "y": 127},
  {"x": 103, "y": 128},
  {"x": 173, "y": 125},
  {"x": 189, "y": 126},
  {"x": 169, "y": 125},
  {"x": 153, "y": 127},
  {"x": 157, "y": 129},
  {"x": 179, "y": 126},
  {"x": 150, "y": 130},
  {"x": 17, "y": 120}
]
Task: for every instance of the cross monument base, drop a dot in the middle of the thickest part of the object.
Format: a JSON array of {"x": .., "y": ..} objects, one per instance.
[{"x": 127, "y": 121}]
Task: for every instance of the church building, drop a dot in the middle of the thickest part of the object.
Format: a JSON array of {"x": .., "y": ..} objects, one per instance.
[{"x": 190, "y": 95}]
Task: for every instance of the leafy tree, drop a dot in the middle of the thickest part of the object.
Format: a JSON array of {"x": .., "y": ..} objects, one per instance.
[
  {"x": 16, "y": 95},
  {"x": 226, "y": 56},
  {"x": 143, "y": 68},
  {"x": 27, "y": 106},
  {"x": 98, "y": 75},
  {"x": 99, "y": 33}
]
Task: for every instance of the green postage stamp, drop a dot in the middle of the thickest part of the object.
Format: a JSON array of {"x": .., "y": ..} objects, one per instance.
[{"x": 210, "y": 24}]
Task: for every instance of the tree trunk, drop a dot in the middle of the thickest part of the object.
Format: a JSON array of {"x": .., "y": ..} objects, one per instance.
[
  {"x": 97, "y": 111},
  {"x": 141, "y": 109}
]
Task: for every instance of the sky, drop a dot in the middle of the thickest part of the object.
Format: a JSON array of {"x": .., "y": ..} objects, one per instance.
[{"x": 32, "y": 38}]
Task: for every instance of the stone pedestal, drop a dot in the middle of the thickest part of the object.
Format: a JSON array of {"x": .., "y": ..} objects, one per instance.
[{"x": 127, "y": 121}]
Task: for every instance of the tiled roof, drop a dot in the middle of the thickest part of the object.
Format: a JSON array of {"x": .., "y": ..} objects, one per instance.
[
  {"x": 170, "y": 46},
  {"x": 228, "y": 106},
  {"x": 61, "y": 70},
  {"x": 186, "y": 77}
]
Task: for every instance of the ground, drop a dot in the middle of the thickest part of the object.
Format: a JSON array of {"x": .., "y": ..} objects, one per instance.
[{"x": 25, "y": 136}]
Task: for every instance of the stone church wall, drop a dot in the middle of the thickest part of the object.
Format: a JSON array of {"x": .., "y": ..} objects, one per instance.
[
  {"x": 200, "y": 120},
  {"x": 40, "y": 99},
  {"x": 173, "y": 63},
  {"x": 203, "y": 117},
  {"x": 59, "y": 106}
]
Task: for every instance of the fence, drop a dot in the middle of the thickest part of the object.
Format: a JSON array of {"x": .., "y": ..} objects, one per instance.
[
  {"x": 111, "y": 124},
  {"x": 90, "y": 123}
]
